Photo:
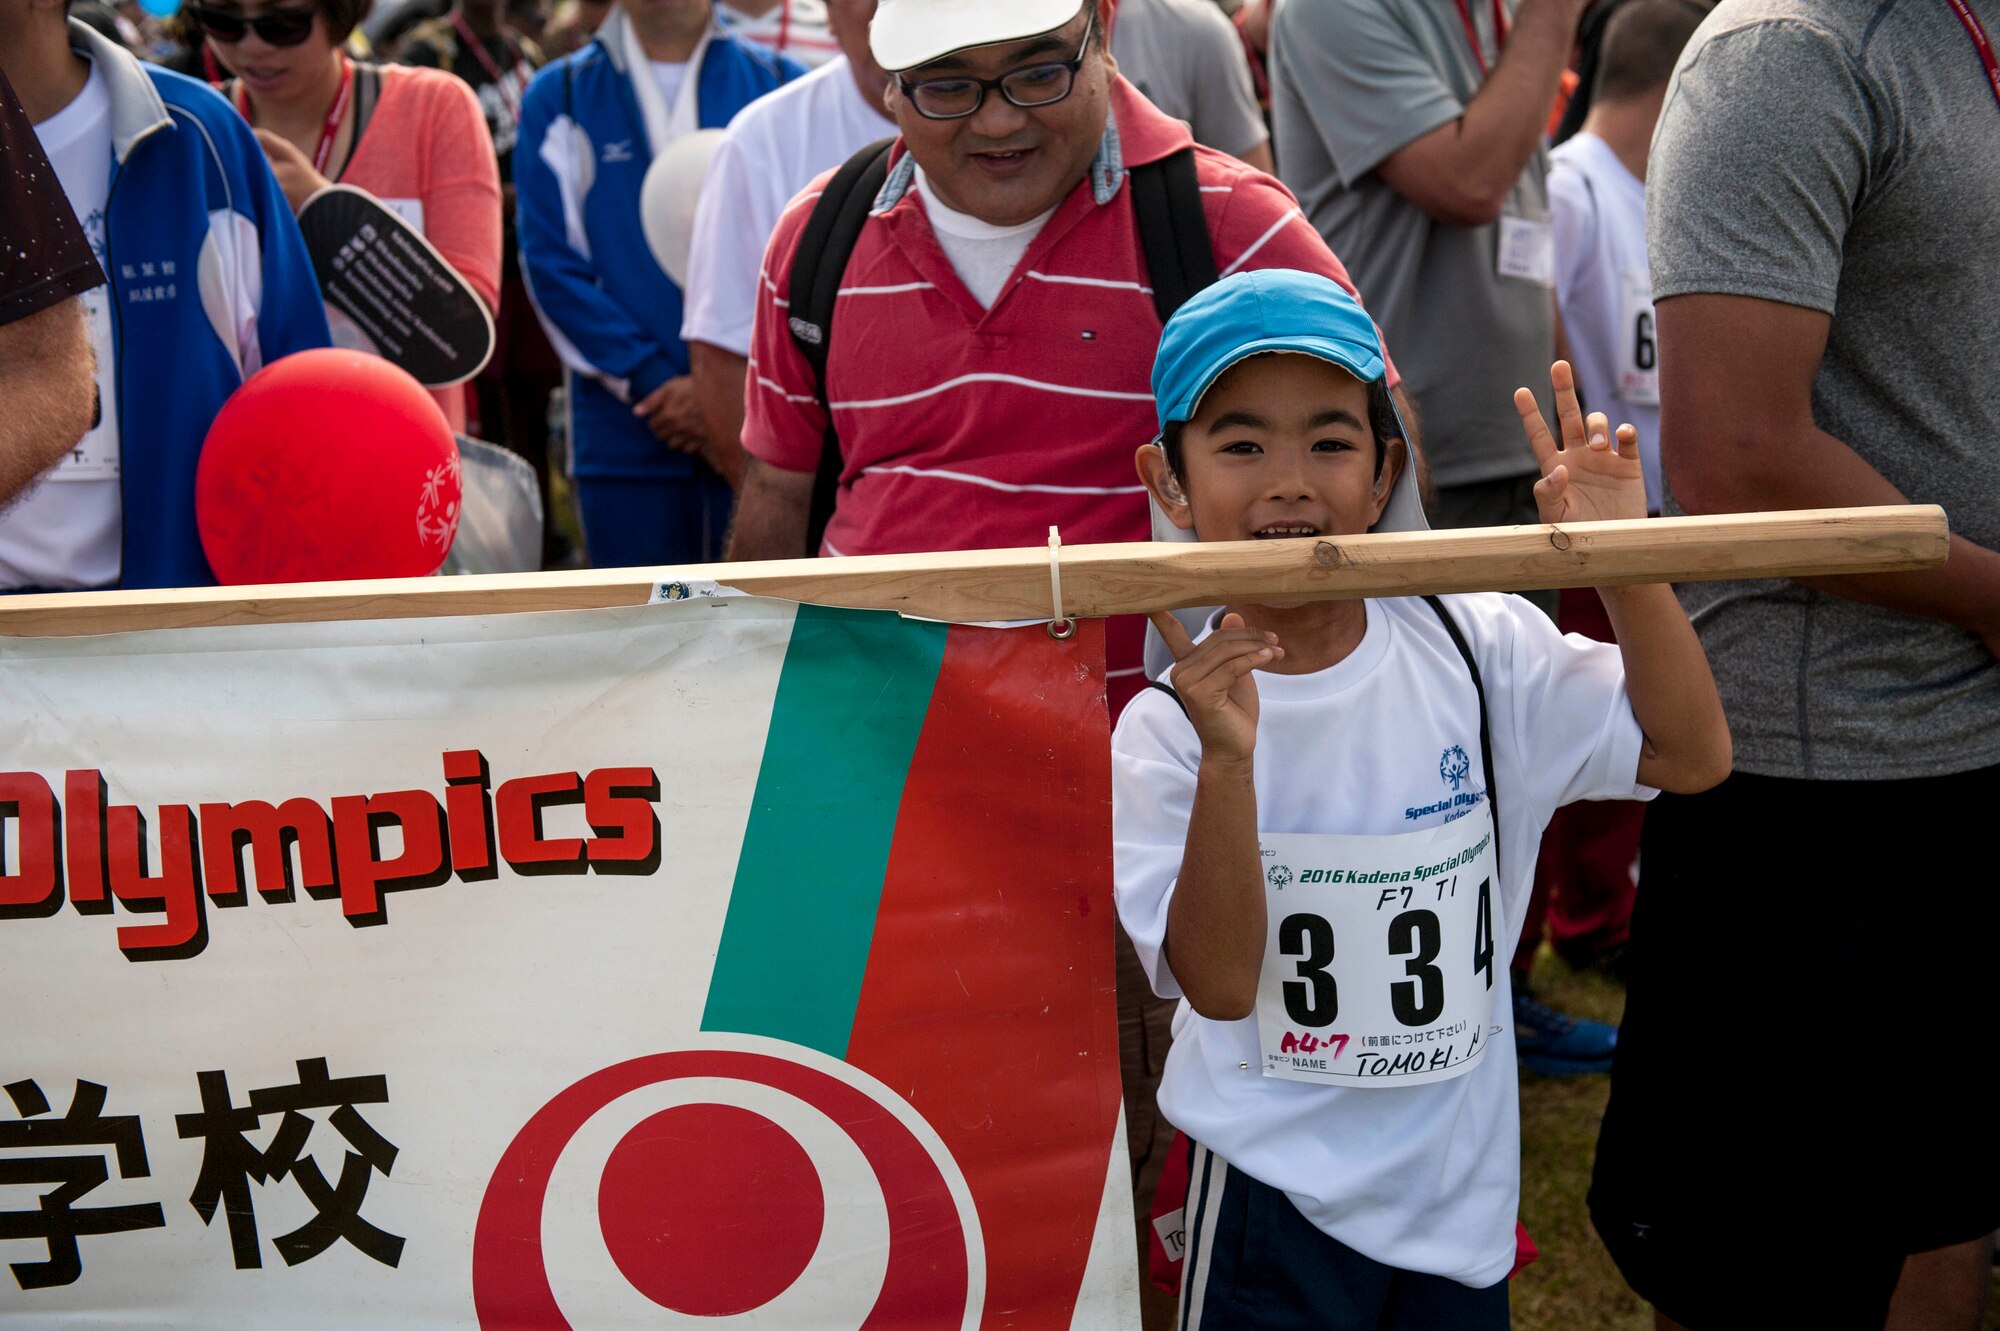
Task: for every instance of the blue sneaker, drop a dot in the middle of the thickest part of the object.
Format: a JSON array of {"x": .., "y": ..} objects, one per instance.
[{"x": 1555, "y": 1044}]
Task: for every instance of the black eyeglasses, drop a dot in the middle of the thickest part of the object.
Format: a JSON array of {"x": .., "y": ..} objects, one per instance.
[
  {"x": 276, "y": 27},
  {"x": 1030, "y": 86}
]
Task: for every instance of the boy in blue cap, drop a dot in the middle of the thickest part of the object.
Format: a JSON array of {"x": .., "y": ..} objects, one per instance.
[{"x": 1326, "y": 829}]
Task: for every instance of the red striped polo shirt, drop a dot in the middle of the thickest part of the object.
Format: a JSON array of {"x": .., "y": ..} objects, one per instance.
[{"x": 968, "y": 428}]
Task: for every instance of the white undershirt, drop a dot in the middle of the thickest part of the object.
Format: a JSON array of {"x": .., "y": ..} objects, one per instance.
[
  {"x": 671, "y": 76},
  {"x": 983, "y": 255},
  {"x": 67, "y": 530}
]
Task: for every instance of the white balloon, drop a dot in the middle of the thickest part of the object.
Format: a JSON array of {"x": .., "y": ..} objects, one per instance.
[{"x": 668, "y": 196}]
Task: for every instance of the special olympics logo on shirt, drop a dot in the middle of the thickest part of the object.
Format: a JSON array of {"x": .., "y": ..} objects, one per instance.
[
  {"x": 1278, "y": 875},
  {"x": 1454, "y": 766}
]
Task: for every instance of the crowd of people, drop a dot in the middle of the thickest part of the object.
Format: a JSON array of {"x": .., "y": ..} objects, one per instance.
[{"x": 954, "y": 263}]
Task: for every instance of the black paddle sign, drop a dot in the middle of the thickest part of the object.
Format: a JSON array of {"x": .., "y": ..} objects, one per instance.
[{"x": 411, "y": 305}]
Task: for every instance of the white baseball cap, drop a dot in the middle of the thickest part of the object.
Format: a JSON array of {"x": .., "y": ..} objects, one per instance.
[{"x": 907, "y": 33}]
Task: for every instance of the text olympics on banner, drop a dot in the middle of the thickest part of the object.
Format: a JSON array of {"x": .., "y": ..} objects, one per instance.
[{"x": 94, "y": 853}]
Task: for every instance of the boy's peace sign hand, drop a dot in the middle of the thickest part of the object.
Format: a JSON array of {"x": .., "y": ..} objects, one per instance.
[
  {"x": 1214, "y": 682},
  {"x": 1593, "y": 475}
]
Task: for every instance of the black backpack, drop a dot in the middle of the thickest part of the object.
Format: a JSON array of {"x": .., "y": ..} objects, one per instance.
[{"x": 1173, "y": 235}]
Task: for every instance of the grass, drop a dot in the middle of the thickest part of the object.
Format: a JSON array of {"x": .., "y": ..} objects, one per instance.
[{"x": 1575, "y": 1287}]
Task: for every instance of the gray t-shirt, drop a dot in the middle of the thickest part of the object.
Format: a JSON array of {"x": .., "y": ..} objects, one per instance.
[
  {"x": 1844, "y": 155},
  {"x": 1351, "y": 82},
  {"x": 1186, "y": 57}
]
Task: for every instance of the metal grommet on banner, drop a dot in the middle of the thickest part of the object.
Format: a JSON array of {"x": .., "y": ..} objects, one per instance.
[{"x": 1061, "y": 627}]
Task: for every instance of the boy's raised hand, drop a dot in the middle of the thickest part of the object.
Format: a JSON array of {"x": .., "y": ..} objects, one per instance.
[
  {"x": 1593, "y": 475},
  {"x": 1214, "y": 682}
]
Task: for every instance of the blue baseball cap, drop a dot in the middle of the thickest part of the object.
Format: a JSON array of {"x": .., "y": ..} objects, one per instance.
[{"x": 1249, "y": 314}]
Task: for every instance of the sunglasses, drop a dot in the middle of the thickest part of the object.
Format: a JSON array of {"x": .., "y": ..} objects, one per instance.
[{"x": 277, "y": 27}]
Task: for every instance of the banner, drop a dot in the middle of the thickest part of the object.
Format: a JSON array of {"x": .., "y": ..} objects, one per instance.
[{"x": 725, "y": 962}]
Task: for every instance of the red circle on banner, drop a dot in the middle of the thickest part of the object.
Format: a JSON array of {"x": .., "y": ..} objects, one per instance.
[
  {"x": 928, "y": 1280},
  {"x": 686, "y": 1225},
  {"x": 325, "y": 465}
]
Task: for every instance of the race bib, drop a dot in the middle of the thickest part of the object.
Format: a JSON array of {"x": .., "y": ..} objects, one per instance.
[
  {"x": 1639, "y": 368},
  {"x": 1528, "y": 250},
  {"x": 1379, "y": 956}
]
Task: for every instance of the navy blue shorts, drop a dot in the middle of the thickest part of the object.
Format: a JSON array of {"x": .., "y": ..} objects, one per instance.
[{"x": 1254, "y": 1261}]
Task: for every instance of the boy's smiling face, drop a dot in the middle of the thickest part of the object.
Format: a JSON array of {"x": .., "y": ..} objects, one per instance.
[{"x": 1280, "y": 447}]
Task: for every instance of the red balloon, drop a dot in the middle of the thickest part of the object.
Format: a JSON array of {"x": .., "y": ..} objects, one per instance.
[{"x": 327, "y": 465}]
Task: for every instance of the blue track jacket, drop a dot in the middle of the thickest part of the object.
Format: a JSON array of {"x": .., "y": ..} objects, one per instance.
[
  {"x": 613, "y": 315},
  {"x": 209, "y": 283}
]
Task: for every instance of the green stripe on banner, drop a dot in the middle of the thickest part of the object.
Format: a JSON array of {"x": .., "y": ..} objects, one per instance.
[{"x": 850, "y": 704}]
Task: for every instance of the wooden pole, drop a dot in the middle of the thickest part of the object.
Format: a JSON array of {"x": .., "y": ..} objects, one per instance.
[{"x": 978, "y": 585}]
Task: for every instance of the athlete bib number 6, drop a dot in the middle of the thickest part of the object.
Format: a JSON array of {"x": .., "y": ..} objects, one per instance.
[{"x": 1379, "y": 956}]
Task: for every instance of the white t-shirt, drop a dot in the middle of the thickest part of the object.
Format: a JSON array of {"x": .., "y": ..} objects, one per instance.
[
  {"x": 1605, "y": 287},
  {"x": 796, "y": 28},
  {"x": 983, "y": 255},
  {"x": 1424, "y": 1178},
  {"x": 773, "y": 149},
  {"x": 67, "y": 530},
  {"x": 670, "y": 76}
]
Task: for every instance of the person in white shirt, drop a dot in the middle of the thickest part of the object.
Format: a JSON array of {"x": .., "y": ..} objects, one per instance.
[
  {"x": 1323, "y": 833},
  {"x": 1597, "y": 198},
  {"x": 797, "y": 28},
  {"x": 773, "y": 149}
]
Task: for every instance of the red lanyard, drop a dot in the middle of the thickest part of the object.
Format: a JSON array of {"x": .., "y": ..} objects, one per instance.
[
  {"x": 1499, "y": 30},
  {"x": 470, "y": 38},
  {"x": 1974, "y": 30},
  {"x": 331, "y": 129}
]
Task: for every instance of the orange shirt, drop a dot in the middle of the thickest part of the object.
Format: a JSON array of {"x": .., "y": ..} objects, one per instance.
[{"x": 427, "y": 155}]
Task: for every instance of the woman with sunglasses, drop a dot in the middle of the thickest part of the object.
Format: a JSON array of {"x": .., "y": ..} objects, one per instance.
[{"x": 413, "y": 138}]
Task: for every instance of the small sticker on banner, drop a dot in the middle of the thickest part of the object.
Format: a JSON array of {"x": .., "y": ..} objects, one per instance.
[
  {"x": 690, "y": 589},
  {"x": 1172, "y": 1229},
  {"x": 1528, "y": 250},
  {"x": 1639, "y": 359}
]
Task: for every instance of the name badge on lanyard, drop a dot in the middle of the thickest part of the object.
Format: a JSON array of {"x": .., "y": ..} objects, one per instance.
[
  {"x": 1639, "y": 367},
  {"x": 1379, "y": 956},
  {"x": 1527, "y": 250}
]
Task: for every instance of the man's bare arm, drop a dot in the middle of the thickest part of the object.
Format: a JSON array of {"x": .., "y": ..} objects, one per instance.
[
  {"x": 719, "y": 377},
  {"x": 1737, "y": 434},
  {"x": 773, "y": 507},
  {"x": 1460, "y": 173},
  {"x": 47, "y": 381}
]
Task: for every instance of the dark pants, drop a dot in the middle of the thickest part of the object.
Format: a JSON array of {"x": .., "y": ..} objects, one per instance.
[
  {"x": 1254, "y": 1262},
  {"x": 633, "y": 523},
  {"x": 1803, "y": 1076}
]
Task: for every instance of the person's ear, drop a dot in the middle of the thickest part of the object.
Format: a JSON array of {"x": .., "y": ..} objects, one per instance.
[
  {"x": 1395, "y": 456},
  {"x": 1166, "y": 489}
]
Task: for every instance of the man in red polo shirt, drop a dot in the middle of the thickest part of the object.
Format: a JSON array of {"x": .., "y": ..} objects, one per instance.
[{"x": 990, "y": 366}]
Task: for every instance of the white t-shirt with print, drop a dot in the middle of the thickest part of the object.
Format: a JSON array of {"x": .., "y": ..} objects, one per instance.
[
  {"x": 67, "y": 531},
  {"x": 1605, "y": 288},
  {"x": 1423, "y": 1178},
  {"x": 773, "y": 149}
]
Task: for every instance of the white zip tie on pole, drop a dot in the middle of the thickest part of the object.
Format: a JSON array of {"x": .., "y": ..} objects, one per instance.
[{"x": 1061, "y": 628}]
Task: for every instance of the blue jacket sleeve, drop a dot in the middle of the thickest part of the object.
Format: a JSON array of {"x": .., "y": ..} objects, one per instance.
[
  {"x": 590, "y": 331},
  {"x": 291, "y": 315}
]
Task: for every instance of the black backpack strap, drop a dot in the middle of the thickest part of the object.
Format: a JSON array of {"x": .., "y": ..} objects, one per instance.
[
  {"x": 1168, "y": 689},
  {"x": 813, "y": 288},
  {"x": 1485, "y": 730},
  {"x": 1173, "y": 230}
]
